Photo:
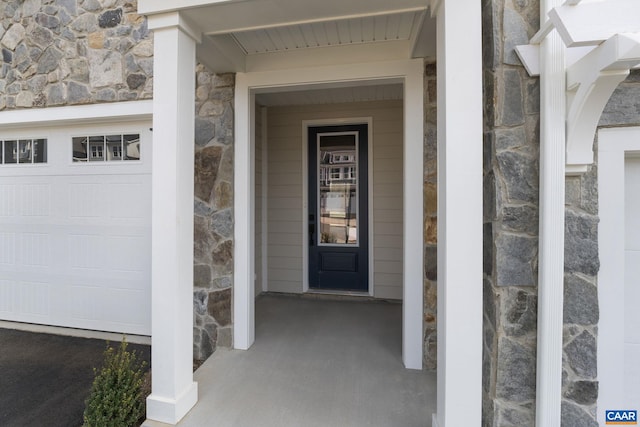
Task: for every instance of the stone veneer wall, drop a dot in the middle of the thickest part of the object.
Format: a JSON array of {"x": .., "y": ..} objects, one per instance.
[
  {"x": 430, "y": 217},
  {"x": 511, "y": 163},
  {"x": 581, "y": 311},
  {"x": 213, "y": 206},
  {"x": 581, "y": 265},
  {"x": 66, "y": 52},
  {"x": 511, "y": 229}
]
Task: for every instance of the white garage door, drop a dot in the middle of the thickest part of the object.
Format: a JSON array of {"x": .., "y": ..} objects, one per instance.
[
  {"x": 75, "y": 227},
  {"x": 632, "y": 283}
]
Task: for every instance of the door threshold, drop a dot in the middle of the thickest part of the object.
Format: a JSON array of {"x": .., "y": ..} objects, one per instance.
[{"x": 337, "y": 292}]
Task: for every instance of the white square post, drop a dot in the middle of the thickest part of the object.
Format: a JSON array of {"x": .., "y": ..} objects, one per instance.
[
  {"x": 173, "y": 390},
  {"x": 459, "y": 57}
]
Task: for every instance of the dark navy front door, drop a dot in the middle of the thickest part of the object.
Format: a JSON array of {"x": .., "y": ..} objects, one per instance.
[{"x": 338, "y": 208}]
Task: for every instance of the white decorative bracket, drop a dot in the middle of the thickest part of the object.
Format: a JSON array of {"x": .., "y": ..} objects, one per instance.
[
  {"x": 590, "y": 84},
  {"x": 603, "y": 43}
]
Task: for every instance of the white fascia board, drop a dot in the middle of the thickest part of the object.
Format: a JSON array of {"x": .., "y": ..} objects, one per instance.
[
  {"x": 130, "y": 110},
  {"x": 149, "y": 7},
  {"x": 330, "y": 76},
  {"x": 330, "y": 55},
  {"x": 591, "y": 23}
]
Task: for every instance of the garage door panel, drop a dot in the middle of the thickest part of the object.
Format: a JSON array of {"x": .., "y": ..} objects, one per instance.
[
  {"x": 25, "y": 298},
  {"x": 631, "y": 373},
  {"x": 632, "y": 296},
  {"x": 7, "y": 200},
  {"x": 7, "y": 248},
  {"x": 25, "y": 200},
  {"x": 125, "y": 201},
  {"x": 101, "y": 306},
  {"x": 75, "y": 240},
  {"x": 86, "y": 200}
]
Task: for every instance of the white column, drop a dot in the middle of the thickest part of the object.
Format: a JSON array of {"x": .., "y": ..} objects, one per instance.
[
  {"x": 459, "y": 62},
  {"x": 173, "y": 390},
  {"x": 551, "y": 239},
  {"x": 412, "y": 301},
  {"x": 244, "y": 217}
]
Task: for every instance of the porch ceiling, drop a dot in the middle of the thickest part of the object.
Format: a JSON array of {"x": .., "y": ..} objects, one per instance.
[{"x": 255, "y": 35}]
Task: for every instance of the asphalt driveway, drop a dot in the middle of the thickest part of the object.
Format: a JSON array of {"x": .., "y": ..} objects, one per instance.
[{"x": 45, "y": 379}]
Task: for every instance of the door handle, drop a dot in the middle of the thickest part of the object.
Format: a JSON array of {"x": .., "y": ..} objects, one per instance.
[{"x": 312, "y": 231}]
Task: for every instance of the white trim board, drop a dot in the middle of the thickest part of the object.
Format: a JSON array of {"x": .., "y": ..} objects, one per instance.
[
  {"x": 409, "y": 72},
  {"x": 614, "y": 144},
  {"x": 74, "y": 332},
  {"x": 130, "y": 110}
]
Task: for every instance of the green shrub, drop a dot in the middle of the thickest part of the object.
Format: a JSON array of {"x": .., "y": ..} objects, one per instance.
[{"x": 116, "y": 398}]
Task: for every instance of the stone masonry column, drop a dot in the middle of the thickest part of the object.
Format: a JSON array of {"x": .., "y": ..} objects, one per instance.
[{"x": 173, "y": 390}]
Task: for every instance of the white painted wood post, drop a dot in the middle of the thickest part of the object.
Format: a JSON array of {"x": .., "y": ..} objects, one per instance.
[
  {"x": 173, "y": 390},
  {"x": 413, "y": 223},
  {"x": 459, "y": 65},
  {"x": 551, "y": 238},
  {"x": 244, "y": 217}
]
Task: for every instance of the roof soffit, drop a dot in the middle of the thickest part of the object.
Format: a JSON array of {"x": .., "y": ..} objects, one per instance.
[{"x": 233, "y": 30}]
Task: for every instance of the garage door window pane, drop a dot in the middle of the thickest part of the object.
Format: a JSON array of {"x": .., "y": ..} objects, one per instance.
[
  {"x": 39, "y": 151},
  {"x": 10, "y": 152},
  {"x": 96, "y": 148},
  {"x": 79, "y": 148},
  {"x": 23, "y": 151},
  {"x": 109, "y": 148},
  {"x": 132, "y": 147}
]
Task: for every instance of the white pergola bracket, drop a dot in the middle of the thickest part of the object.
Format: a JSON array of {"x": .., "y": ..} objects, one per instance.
[
  {"x": 590, "y": 84},
  {"x": 602, "y": 46}
]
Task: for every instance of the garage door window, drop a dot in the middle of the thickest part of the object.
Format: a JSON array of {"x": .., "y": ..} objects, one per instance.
[
  {"x": 23, "y": 151},
  {"x": 106, "y": 148}
]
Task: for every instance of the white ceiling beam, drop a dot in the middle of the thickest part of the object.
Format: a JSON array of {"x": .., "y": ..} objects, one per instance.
[
  {"x": 591, "y": 23},
  {"x": 529, "y": 55},
  {"x": 423, "y": 42},
  {"x": 221, "y": 54}
]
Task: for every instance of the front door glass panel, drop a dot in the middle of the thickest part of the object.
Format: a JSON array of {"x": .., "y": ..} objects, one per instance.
[{"x": 338, "y": 189}]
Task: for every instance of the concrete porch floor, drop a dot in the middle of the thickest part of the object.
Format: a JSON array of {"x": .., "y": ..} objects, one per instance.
[{"x": 315, "y": 362}]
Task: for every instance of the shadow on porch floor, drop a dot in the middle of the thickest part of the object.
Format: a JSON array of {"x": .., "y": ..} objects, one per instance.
[{"x": 316, "y": 362}]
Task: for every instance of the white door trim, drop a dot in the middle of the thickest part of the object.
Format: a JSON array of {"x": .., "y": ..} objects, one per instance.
[
  {"x": 409, "y": 72},
  {"x": 614, "y": 144},
  {"x": 305, "y": 192}
]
